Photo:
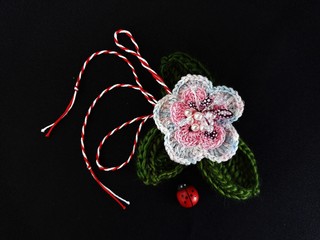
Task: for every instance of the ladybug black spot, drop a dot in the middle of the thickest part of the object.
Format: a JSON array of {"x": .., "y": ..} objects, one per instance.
[
  {"x": 182, "y": 195},
  {"x": 186, "y": 197},
  {"x": 192, "y": 190},
  {"x": 185, "y": 202},
  {"x": 190, "y": 195}
]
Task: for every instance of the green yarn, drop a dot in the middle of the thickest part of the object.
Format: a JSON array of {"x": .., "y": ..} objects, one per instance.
[
  {"x": 237, "y": 178},
  {"x": 153, "y": 162},
  {"x": 179, "y": 64}
]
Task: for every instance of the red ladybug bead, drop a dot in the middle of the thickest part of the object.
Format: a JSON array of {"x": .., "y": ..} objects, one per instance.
[{"x": 187, "y": 196}]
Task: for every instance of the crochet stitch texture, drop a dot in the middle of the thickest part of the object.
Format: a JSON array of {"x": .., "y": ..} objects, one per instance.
[
  {"x": 237, "y": 178},
  {"x": 196, "y": 120}
]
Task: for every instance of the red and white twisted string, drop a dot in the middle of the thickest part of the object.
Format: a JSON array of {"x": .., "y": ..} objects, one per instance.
[
  {"x": 150, "y": 98},
  {"x": 137, "y": 54}
]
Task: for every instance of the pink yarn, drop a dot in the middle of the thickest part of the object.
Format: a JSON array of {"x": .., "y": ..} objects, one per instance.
[
  {"x": 192, "y": 100},
  {"x": 190, "y": 95},
  {"x": 208, "y": 143},
  {"x": 177, "y": 112}
]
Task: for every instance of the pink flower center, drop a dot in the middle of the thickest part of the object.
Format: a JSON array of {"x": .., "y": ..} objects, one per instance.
[
  {"x": 199, "y": 120},
  {"x": 202, "y": 116}
]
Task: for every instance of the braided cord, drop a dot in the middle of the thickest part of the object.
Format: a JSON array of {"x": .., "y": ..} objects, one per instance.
[{"x": 142, "y": 119}]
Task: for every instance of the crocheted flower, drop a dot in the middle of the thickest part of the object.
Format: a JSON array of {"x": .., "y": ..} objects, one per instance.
[{"x": 197, "y": 120}]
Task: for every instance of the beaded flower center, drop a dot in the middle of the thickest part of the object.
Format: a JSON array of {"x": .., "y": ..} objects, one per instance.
[{"x": 203, "y": 117}]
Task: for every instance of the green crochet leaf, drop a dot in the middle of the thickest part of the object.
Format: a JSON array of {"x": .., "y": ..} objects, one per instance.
[
  {"x": 179, "y": 64},
  {"x": 237, "y": 178},
  {"x": 153, "y": 162}
]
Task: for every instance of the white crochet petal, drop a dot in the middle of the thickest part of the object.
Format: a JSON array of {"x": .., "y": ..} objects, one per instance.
[
  {"x": 220, "y": 97},
  {"x": 161, "y": 114},
  {"x": 227, "y": 149},
  {"x": 228, "y": 97},
  {"x": 193, "y": 82},
  {"x": 180, "y": 153}
]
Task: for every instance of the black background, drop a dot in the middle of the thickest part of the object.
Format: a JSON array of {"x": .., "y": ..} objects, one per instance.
[{"x": 267, "y": 50}]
